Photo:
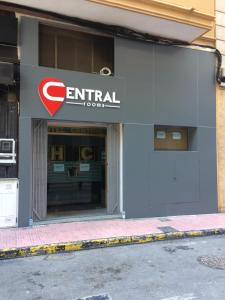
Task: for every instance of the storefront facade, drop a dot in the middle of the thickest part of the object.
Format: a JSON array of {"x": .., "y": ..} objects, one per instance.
[{"x": 155, "y": 93}]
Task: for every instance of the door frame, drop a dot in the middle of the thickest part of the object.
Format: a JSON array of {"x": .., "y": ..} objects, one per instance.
[{"x": 109, "y": 163}]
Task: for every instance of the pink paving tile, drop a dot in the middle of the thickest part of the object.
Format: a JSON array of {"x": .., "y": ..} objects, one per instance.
[{"x": 76, "y": 231}]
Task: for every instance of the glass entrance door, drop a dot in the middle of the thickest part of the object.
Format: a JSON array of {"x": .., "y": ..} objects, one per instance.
[{"x": 76, "y": 170}]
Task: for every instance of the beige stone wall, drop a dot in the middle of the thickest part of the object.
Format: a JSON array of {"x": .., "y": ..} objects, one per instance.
[
  {"x": 199, "y": 13},
  {"x": 220, "y": 27},
  {"x": 205, "y": 6},
  {"x": 220, "y": 44}
]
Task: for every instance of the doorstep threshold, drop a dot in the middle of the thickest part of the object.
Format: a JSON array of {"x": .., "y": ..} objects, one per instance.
[{"x": 83, "y": 218}]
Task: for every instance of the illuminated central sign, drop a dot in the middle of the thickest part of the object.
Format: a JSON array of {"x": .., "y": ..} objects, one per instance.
[{"x": 53, "y": 93}]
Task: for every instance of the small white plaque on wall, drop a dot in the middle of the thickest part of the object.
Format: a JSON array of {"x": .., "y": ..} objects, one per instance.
[
  {"x": 161, "y": 135},
  {"x": 176, "y": 136}
]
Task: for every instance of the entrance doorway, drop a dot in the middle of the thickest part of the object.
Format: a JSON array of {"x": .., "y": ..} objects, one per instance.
[
  {"x": 76, "y": 180},
  {"x": 76, "y": 170}
]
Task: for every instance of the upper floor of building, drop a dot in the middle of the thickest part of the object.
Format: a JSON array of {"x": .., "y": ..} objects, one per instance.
[{"x": 191, "y": 21}]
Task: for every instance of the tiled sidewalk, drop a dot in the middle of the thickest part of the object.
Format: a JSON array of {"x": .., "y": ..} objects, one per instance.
[{"x": 90, "y": 230}]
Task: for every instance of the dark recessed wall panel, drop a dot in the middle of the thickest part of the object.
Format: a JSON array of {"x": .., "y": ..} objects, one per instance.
[
  {"x": 8, "y": 36},
  {"x": 8, "y": 129}
]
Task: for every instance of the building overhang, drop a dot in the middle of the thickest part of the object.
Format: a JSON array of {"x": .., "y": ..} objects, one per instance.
[{"x": 153, "y": 17}]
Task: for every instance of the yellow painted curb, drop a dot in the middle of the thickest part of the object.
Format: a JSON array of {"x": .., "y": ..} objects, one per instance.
[{"x": 105, "y": 242}]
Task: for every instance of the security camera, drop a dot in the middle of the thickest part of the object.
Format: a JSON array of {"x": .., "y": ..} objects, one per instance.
[{"x": 105, "y": 71}]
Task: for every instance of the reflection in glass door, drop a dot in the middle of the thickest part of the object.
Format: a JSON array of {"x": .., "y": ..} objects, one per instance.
[{"x": 76, "y": 170}]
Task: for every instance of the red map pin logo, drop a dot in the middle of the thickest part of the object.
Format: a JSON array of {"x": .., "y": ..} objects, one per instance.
[{"x": 52, "y": 93}]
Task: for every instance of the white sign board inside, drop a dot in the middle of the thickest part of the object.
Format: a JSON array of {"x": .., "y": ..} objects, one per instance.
[{"x": 84, "y": 167}]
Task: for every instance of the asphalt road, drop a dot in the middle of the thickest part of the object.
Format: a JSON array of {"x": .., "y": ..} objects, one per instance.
[{"x": 157, "y": 271}]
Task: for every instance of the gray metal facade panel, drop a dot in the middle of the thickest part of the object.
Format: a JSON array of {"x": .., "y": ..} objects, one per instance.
[
  {"x": 135, "y": 62},
  {"x": 28, "y": 41},
  {"x": 136, "y": 166},
  {"x": 176, "y": 86},
  {"x": 25, "y": 171},
  {"x": 157, "y": 85},
  {"x": 206, "y": 89},
  {"x": 207, "y": 169},
  {"x": 174, "y": 177}
]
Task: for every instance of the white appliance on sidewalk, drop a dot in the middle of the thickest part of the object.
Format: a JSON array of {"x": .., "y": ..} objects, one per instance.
[{"x": 8, "y": 202}]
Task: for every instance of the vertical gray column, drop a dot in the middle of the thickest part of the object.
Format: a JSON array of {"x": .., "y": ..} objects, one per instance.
[
  {"x": 25, "y": 171},
  {"x": 29, "y": 41},
  {"x": 137, "y": 149}
]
